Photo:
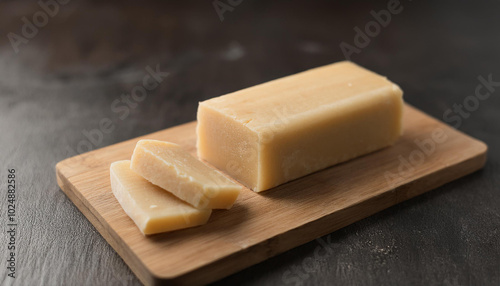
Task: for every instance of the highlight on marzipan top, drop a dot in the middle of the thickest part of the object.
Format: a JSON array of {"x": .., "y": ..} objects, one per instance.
[{"x": 275, "y": 132}]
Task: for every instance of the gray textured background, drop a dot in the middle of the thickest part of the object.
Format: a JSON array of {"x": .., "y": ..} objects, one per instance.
[{"x": 64, "y": 80}]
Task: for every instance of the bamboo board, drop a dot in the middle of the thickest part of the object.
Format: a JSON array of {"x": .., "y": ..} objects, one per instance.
[{"x": 262, "y": 225}]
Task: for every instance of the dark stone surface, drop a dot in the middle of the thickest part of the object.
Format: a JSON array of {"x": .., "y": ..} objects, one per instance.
[{"x": 64, "y": 80}]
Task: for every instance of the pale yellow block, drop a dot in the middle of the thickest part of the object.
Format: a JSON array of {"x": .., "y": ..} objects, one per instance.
[
  {"x": 151, "y": 208},
  {"x": 281, "y": 130},
  {"x": 169, "y": 166}
]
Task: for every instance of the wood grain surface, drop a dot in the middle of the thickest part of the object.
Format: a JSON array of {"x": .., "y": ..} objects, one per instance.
[
  {"x": 64, "y": 80},
  {"x": 261, "y": 225}
]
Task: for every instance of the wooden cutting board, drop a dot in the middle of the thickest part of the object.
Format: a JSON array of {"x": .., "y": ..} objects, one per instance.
[{"x": 259, "y": 226}]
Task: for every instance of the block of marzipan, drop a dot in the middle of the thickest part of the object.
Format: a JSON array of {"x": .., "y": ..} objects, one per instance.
[
  {"x": 172, "y": 168},
  {"x": 284, "y": 129},
  {"x": 151, "y": 208}
]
